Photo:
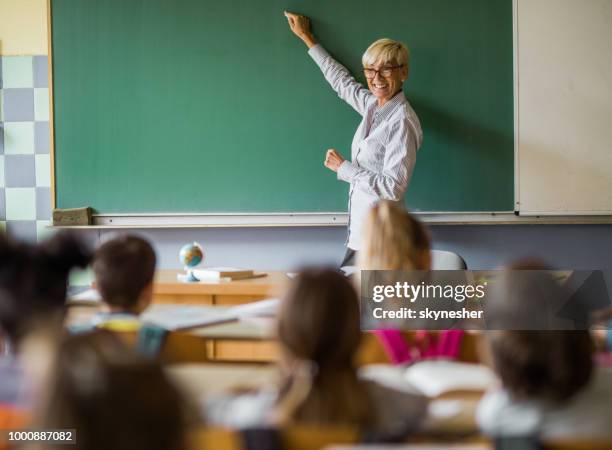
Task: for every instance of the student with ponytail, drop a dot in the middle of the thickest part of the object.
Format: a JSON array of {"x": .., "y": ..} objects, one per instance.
[
  {"x": 395, "y": 240},
  {"x": 319, "y": 334},
  {"x": 33, "y": 283}
]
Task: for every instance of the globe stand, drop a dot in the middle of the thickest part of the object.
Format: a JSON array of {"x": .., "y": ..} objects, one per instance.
[
  {"x": 190, "y": 278},
  {"x": 190, "y": 256}
]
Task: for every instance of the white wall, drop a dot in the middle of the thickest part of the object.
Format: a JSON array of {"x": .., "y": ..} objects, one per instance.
[{"x": 565, "y": 105}]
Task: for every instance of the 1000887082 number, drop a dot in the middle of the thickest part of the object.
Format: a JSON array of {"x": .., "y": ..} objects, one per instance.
[{"x": 63, "y": 436}]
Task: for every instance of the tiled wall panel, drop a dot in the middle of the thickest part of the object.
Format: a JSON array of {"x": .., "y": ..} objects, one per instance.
[{"x": 25, "y": 165}]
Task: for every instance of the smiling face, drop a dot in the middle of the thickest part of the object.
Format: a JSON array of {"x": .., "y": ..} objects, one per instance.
[
  {"x": 386, "y": 64},
  {"x": 385, "y": 80}
]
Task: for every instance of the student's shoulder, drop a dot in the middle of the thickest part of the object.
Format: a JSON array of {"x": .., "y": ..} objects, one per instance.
[
  {"x": 239, "y": 410},
  {"x": 499, "y": 414},
  {"x": 11, "y": 375},
  {"x": 596, "y": 395}
]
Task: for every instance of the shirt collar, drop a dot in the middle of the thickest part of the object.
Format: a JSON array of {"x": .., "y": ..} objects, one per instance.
[{"x": 386, "y": 110}]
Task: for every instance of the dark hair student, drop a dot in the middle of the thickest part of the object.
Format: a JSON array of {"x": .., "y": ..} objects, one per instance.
[
  {"x": 113, "y": 399},
  {"x": 319, "y": 334},
  {"x": 34, "y": 280},
  {"x": 124, "y": 269},
  {"x": 550, "y": 385}
]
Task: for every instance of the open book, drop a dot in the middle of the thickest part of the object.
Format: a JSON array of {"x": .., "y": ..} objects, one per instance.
[{"x": 432, "y": 377}]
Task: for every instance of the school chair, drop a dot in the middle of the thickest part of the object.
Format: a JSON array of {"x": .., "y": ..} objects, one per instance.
[
  {"x": 536, "y": 443},
  {"x": 440, "y": 260},
  {"x": 577, "y": 444},
  {"x": 170, "y": 348},
  {"x": 294, "y": 437},
  {"x": 445, "y": 260},
  {"x": 215, "y": 438}
]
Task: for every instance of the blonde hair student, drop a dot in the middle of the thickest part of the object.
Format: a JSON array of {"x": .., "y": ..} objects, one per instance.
[{"x": 393, "y": 240}]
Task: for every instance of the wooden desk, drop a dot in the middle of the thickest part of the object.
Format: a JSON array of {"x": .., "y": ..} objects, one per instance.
[
  {"x": 253, "y": 339},
  {"x": 200, "y": 379},
  {"x": 167, "y": 289},
  {"x": 247, "y": 340}
]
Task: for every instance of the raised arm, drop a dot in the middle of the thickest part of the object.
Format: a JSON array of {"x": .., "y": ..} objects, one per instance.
[{"x": 338, "y": 76}]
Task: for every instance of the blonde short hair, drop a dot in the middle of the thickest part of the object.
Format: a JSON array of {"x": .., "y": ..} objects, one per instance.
[
  {"x": 386, "y": 51},
  {"x": 393, "y": 240}
]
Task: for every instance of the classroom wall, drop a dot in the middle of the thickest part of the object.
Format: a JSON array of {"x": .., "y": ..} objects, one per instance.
[
  {"x": 25, "y": 171},
  {"x": 567, "y": 246},
  {"x": 564, "y": 103},
  {"x": 483, "y": 247},
  {"x": 23, "y": 27}
]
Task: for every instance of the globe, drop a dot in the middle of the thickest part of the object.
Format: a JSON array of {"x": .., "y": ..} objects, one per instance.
[{"x": 191, "y": 255}]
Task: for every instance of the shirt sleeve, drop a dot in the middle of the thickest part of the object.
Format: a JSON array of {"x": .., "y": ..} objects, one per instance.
[
  {"x": 341, "y": 80},
  {"x": 399, "y": 161},
  {"x": 498, "y": 415}
]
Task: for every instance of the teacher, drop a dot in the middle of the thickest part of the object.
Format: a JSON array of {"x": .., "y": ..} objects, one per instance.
[{"x": 383, "y": 152}]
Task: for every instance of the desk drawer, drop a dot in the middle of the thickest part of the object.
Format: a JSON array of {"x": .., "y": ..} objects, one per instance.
[{"x": 245, "y": 351}]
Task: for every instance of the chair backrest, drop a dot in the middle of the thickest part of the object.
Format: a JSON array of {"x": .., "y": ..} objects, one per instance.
[
  {"x": 577, "y": 444},
  {"x": 302, "y": 437},
  {"x": 215, "y": 438},
  {"x": 177, "y": 347},
  {"x": 294, "y": 437},
  {"x": 445, "y": 260}
]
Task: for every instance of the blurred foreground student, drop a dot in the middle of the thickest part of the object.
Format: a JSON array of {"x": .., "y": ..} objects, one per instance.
[
  {"x": 124, "y": 269},
  {"x": 549, "y": 384},
  {"x": 395, "y": 240},
  {"x": 319, "y": 334},
  {"x": 33, "y": 283},
  {"x": 111, "y": 398}
]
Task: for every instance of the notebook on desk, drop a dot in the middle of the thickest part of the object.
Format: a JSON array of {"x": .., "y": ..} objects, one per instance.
[{"x": 217, "y": 273}]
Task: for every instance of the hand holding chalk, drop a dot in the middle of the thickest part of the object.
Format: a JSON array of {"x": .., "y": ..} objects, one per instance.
[{"x": 300, "y": 25}]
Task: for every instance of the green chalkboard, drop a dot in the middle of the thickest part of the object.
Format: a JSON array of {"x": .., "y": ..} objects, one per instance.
[{"x": 215, "y": 106}]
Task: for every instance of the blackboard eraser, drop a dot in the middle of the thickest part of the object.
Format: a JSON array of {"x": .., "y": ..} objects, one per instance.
[{"x": 71, "y": 217}]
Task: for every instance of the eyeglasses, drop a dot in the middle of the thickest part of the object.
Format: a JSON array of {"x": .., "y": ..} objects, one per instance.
[{"x": 383, "y": 71}]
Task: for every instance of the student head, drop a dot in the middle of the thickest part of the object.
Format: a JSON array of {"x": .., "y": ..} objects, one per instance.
[
  {"x": 533, "y": 356},
  {"x": 394, "y": 240},
  {"x": 526, "y": 296},
  {"x": 33, "y": 282},
  {"x": 124, "y": 268},
  {"x": 319, "y": 333},
  {"x": 111, "y": 398},
  {"x": 549, "y": 365}
]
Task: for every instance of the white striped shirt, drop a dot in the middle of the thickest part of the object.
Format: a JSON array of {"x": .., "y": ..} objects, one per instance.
[{"x": 384, "y": 147}]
